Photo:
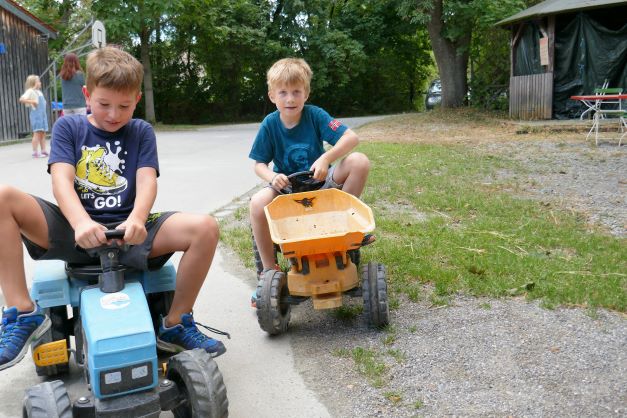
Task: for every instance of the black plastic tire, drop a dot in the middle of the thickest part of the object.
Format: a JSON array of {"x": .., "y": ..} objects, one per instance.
[
  {"x": 79, "y": 338},
  {"x": 273, "y": 316},
  {"x": 47, "y": 400},
  {"x": 258, "y": 263},
  {"x": 375, "y": 294},
  {"x": 159, "y": 305},
  {"x": 200, "y": 385},
  {"x": 355, "y": 256},
  {"x": 59, "y": 330}
]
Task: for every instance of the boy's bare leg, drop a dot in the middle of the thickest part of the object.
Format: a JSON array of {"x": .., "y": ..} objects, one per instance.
[
  {"x": 352, "y": 171},
  {"x": 260, "y": 227},
  {"x": 19, "y": 213},
  {"x": 197, "y": 236}
]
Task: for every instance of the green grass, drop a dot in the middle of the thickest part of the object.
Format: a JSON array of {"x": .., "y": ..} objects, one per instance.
[
  {"x": 394, "y": 397},
  {"x": 442, "y": 221},
  {"x": 369, "y": 365}
]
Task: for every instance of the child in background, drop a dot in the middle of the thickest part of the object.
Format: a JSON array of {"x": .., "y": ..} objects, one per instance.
[{"x": 34, "y": 99}]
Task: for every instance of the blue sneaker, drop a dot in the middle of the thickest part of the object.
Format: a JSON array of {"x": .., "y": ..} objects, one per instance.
[
  {"x": 186, "y": 336},
  {"x": 17, "y": 331}
]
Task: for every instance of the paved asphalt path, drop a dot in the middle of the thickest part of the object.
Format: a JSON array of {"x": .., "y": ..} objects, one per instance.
[{"x": 201, "y": 171}]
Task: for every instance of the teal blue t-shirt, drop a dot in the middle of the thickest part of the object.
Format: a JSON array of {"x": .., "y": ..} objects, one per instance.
[{"x": 295, "y": 149}]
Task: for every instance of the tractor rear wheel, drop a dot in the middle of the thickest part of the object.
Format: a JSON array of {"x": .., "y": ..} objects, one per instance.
[
  {"x": 273, "y": 311},
  {"x": 59, "y": 330}
]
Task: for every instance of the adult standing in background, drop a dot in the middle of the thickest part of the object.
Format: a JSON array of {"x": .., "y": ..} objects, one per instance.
[{"x": 72, "y": 82}]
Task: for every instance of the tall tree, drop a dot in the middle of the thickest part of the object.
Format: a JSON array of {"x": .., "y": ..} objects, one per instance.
[
  {"x": 450, "y": 24},
  {"x": 126, "y": 20}
]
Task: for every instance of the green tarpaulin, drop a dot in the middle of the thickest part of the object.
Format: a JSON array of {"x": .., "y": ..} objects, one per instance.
[{"x": 590, "y": 48}]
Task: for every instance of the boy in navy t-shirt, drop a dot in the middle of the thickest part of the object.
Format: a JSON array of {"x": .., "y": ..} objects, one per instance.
[
  {"x": 292, "y": 139},
  {"x": 104, "y": 170}
]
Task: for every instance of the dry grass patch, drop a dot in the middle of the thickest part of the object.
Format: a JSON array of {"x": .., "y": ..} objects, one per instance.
[{"x": 466, "y": 126}]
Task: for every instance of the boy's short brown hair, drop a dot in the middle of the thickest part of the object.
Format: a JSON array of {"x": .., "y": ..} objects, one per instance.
[
  {"x": 289, "y": 71},
  {"x": 114, "y": 69}
]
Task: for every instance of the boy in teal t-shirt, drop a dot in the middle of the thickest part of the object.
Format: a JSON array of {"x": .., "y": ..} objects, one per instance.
[{"x": 292, "y": 138}]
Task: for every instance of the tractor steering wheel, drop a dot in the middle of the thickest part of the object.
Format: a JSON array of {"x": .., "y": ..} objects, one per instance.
[{"x": 302, "y": 181}]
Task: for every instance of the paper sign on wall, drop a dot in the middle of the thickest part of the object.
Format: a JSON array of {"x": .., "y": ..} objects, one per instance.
[{"x": 544, "y": 51}]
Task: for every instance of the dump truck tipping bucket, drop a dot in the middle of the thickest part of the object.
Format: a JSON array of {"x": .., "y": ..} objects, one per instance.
[{"x": 317, "y": 222}]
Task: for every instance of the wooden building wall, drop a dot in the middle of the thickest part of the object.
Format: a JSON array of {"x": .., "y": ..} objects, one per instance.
[
  {"x": 26, "y": 53},
  {"x": 531, "y": 96}
]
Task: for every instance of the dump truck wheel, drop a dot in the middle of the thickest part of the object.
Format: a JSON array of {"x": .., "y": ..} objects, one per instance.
[
  {"x": 47, "y": 400},
  {"x": 272, "y": 314},
  {"x": 375, "y": 294},
  {"x": 200, "y": 384}
]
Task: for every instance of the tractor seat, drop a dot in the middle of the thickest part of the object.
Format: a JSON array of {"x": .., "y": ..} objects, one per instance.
[{"x": 90, "y": 271}]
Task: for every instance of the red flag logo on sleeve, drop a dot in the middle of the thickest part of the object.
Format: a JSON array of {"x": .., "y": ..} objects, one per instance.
[{"x": 334, "y": 124}]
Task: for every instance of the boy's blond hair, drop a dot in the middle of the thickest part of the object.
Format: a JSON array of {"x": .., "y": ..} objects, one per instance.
[
  {"x": 288, "y": 71},
  {"x": 114, "y": 69},
  {"x": 31, "y": 81}
]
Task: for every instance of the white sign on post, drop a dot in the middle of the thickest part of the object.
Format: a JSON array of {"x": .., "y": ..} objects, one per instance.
[{"x": 98, "y": 34}]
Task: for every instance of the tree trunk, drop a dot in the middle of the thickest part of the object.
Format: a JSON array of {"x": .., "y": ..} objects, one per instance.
[
  {"x": 149, "y": 98},
  {"x": 451, "y": 59}
]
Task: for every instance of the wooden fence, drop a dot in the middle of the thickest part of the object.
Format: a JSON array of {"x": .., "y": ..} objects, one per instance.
[
  {"x": 26, "y": 52},
  {"x": 531, "y": 96}
]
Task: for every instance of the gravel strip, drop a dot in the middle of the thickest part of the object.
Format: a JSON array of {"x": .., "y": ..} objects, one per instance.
[{"x": 476, "y": 357}]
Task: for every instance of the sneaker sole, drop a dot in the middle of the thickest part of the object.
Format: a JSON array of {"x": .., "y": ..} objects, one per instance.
[
  {"x": 41, "y": 329},
  {"x": 173, "y": 348},
  {"x": 168, "y": 347}
]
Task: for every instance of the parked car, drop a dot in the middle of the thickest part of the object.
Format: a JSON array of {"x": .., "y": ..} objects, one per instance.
[{"x": 434, "y": 94}]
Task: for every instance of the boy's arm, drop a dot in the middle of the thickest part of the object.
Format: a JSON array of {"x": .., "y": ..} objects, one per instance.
[
  {"x": 87, "y": 232},
  {"x": 277, "y": 180},
  {"x": 343, "y": 146},
  {"x": 135, "y": 224}
]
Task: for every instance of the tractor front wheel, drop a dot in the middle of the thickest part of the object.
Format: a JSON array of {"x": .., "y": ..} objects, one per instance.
[
  {"x": 47, "y": 400},
  {"x": 375, "y": 294},
  {"x": 200, "y": 384}
]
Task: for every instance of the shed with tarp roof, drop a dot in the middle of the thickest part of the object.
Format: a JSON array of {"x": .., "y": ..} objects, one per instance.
[
  {"x": 562, "y": 48},
  {"x": 23, "y": 51}
]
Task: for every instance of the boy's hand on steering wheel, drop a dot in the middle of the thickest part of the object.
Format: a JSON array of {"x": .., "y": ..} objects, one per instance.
[
  {"x": 135, "y": 231},
  {"x": 320, "y": 167},
  {"x": 90, "y": 234},
  {"x": 279, "y": 181}
]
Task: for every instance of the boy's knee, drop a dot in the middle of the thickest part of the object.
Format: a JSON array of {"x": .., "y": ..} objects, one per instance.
[
  {"x": 257, "y": 203},
  {"x": 360, "y": 162},
  {"x": 7, "y": 194},
  {"x": 208, "y": 226}
]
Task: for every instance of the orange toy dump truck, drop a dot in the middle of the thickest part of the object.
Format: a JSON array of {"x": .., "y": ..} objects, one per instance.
[{"x": 320, "y": 233}]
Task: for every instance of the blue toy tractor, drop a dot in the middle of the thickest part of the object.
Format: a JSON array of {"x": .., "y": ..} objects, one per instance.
[{"x": 113, "y": 313}]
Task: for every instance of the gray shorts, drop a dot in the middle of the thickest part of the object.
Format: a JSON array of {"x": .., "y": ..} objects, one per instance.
[
  {"x": 329, "y": 183},
  {"x": 62, "y": 246}
]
